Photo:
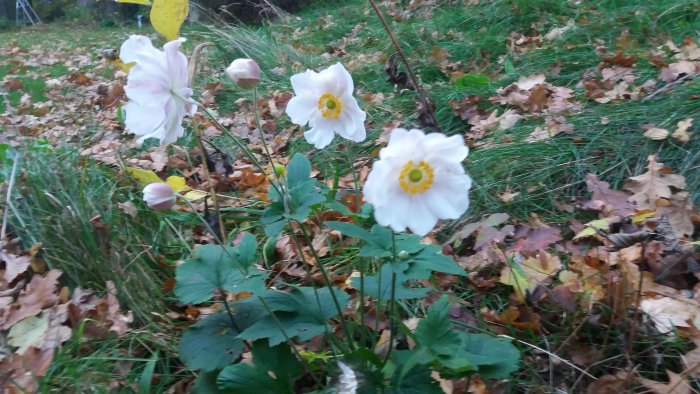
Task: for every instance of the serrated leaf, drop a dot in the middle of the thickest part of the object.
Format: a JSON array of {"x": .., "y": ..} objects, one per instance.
[
  {"x": 496, "y": 358},
  {"x": 379, "y": 286},
  {"x": 210, "y": 343},
  {"x": 143, "y": 176},
  {"x": 298, "y": 170},
  {"x": 167, "y": 17},
  {"x": 274, "y": 371},
  {"x": 247, "y": 250},
  {"x": 299, "y": 312},
  {"x": 214, "y": 267}
]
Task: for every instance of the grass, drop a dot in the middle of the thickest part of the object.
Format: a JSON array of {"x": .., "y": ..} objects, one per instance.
[{"x": 61, "y": 194}]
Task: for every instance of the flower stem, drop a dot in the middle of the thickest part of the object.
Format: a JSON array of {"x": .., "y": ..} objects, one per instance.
[
  {"x": 392, "y": 302},
  {"x": 414, "y": 79},
  {"x": 327, "y": 280},
  {"x": 207, "y": 175}
]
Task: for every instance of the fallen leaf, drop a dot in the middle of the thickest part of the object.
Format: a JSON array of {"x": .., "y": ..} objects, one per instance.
[
  {"x": 681, "y": 133},
  {"x": 656, "y": 134},
  {"x": 677, "y": 384},
  {"x": 653, "y": 185}
]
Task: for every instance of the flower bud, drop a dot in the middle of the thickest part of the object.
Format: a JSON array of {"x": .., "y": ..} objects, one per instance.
[
  {"x": 403, "y": 255},
  {"x": 280, "y": 170},
  {"x": 159, "y": 196},
  {"x": 244, "y": 72}
]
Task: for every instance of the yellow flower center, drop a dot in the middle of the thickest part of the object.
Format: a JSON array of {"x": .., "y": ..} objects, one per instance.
[
  {"x": 330, "y": 106},
  {"x": 416, "y": 178}
]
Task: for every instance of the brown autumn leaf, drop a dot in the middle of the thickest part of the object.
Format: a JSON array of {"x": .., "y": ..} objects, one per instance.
[
  {"x": 14, "y": 264},
  {"x": 611, "y": 384},
  {"x": 606, "y": 200},
  {"x": 40, "y": 293},
  {"x": 677, "y": 384},
  {"x": 656, "y": 183}
]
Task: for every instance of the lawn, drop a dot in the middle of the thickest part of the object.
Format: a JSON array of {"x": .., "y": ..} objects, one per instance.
[{"x": 578, "y": 249}]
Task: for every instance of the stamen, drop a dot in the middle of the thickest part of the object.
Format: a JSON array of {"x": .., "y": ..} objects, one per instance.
[
  {"x": 416, "y": 178},
  {"x": 330, "y": 106}
]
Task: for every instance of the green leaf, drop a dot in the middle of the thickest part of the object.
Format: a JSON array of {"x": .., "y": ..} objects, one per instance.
[
  {"x": 206, "y": 383},
  {"x": 416, "y": 381},
  {"x": 379, "y": 286},
  {"x": 302, "y": 197},
  {"x": 435, "y": 332},
  {"x": 429, "y": 259},
  {"x": 298, "y": 170},
  {"x": 214, "y": 267},
  {"x": 210, "y": 343},
  {"x": 350, "y": 230},
  {"x": 277, "y": 361},
  {"x": 247, "y": 250},
  {"x": 473, "y": 81},
  {"x": 273, "y": 219},
  {"x": 147, "y": 375},
  {"x": 299, "y": 312},
  {"x": 496, "y": 358}
]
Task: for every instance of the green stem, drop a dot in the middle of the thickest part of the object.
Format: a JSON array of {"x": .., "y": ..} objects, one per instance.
[
  {"x": 238, "y": 142},
  {"x": 326, "y": 279},
  {"x": 392, "y": 302}
]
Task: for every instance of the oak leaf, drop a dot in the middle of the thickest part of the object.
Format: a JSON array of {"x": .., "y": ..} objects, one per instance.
[{"x": 653, "y": 185}]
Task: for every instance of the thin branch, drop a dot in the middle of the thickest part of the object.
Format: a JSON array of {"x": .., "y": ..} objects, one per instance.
[
  {"x": 671, "y": 85},
  {"x": 414, "y": 79}
]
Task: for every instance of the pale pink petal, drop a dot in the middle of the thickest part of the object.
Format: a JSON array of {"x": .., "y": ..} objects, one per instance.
[{"x": 176, "y": 62}]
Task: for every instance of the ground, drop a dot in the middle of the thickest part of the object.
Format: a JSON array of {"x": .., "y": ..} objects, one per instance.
[{"x": 554, "y": 99}]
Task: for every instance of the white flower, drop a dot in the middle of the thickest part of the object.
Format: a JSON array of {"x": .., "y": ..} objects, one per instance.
[
  {"x": 347, "y": 381},
  {"x": 324, "y": 100},
  {"x": 417, "y": 180},
  {"x": 159, "y": 196},
  {"x": 244, "y": 72},
  {"x": 157, "y": 89}
]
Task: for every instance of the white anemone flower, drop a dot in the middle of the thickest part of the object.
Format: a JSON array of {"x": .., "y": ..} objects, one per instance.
[
  {"x": 159, "y": 196},
  {"x": 157, "y": 88},
  {"x": 324, "y": 100},
  {"x": 418, "y": 180}
]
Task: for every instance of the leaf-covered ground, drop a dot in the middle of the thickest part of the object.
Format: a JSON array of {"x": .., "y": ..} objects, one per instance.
[{"x": 583, "y": 123}]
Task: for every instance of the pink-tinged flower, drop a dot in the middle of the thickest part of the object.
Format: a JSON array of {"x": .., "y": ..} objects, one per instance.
[
  {"x": 418, "y": 180},
  {"x": 324, "y": 100},
  {"x": 244, "y": 72},
  {"x": 159, "y": 196},
  {"x": 157, "y": 88}
]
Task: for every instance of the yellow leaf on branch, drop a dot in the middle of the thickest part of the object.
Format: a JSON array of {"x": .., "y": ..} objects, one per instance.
[
  {"x": 141, "y": 2},
  {"x": 167, "y": 17}
]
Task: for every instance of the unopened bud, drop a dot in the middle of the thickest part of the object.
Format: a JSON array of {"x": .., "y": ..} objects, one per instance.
[
  {"x": 244, "y": 72},
  {"x": 403, "y": 255},
  {"x": 159, "y": 196},
  {"x": 280, "y": 170}
]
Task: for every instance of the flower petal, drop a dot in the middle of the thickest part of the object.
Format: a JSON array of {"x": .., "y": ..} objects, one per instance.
[
  {"x": 142, "y": 120},
  {"x": 176, "y": 63},
  {"x": 321, "y": 133},
  {"x": 301, "y": 108},
  {"x": 306, "y": 83},
  {"x": 337, "y": 80}
]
